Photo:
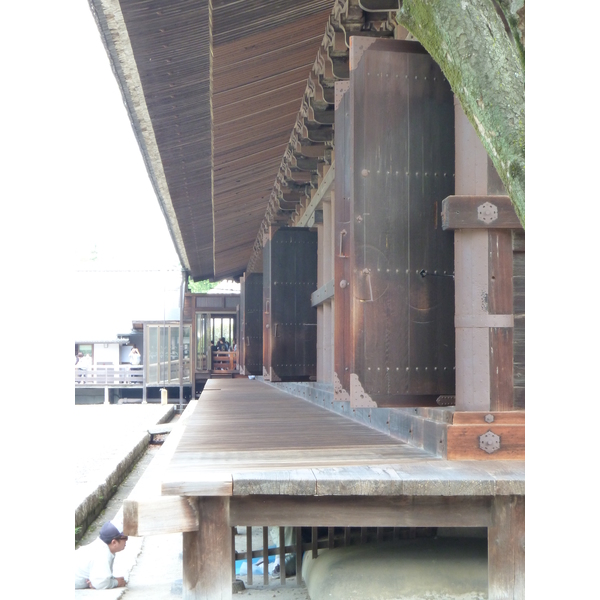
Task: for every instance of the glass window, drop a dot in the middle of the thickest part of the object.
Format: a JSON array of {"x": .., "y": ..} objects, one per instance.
[
  {"x": 223, "y": 326},
  {"x": 152, "y": 354},
  {"x": 85, "y": 348},
  {"x": 164, "y": 353}
]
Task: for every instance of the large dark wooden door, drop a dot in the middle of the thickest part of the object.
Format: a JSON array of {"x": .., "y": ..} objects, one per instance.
[
  {"x": 396, "y": 165},
  {"x": 251, "y": 342},
  {"x": 290, "y": 322}
]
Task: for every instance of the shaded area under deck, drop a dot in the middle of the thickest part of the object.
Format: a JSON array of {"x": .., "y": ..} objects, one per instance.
[{"x": 250, "y": 454}]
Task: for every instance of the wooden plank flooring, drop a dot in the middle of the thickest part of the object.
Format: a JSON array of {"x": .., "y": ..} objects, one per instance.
[{"x": 247, "y": 437}]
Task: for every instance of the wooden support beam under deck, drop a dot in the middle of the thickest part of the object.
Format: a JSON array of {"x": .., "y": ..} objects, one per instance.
[
  {"x": 317, "y": 468},
  {"x": 361, "y": 511},
  {"x": 506, "y": 549},
  {"x": 207, "y": 553}
]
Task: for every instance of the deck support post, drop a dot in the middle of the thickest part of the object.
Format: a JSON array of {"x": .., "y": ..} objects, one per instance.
[
  {"x": 207, "y": 553},
  {"x": 506, "y": 549}
]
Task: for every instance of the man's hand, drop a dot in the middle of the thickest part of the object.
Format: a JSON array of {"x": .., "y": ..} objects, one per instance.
[
  {"x": 122, "y": 582},
  {"x": 89, "y": 584}
]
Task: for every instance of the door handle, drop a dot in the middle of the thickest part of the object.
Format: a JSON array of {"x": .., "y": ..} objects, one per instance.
[{"x": 343, "y": 233}]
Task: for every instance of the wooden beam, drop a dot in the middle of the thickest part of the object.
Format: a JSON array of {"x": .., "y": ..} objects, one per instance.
[
  {"x": 513, "y": 417},
  {"x": 207, "y": 553},
  {"x": 463, "y": 442},
  {"x": 310, "y": 151},
  {"x": 479, "y": 212},
  {"x": 506, "y": 549},
  {"x": 159, "y": 515},
  {"x": 195, "y": 482},
  {"x": 325, "y": 292},
  {"x": 145, "y": 511},
  {"x": 322, "y": 191},
  {"x": 361, "y": 511}
]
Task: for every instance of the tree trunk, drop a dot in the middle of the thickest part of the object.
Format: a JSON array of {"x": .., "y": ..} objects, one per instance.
[{"x": 485, "y": 67}]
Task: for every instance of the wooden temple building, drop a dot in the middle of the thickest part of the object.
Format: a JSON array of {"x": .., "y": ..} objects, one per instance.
[{"x": 313, "y": 150}]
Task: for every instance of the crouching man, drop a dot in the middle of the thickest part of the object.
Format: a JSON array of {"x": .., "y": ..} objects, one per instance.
[{"x": 94, "y": 562}]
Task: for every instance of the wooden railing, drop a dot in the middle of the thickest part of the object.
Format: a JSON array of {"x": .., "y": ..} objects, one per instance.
[
  {"x": 224, "y": 362},
  {"x": 109, "y": 375}
]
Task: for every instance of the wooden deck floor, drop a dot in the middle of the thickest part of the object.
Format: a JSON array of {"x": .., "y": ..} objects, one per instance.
[
  {"x": 245, "y": 437},
  {"x": 249, "y": 454}
]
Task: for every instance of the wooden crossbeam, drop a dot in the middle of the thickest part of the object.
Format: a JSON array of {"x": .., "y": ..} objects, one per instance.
[{"x": 479, "y": 212}]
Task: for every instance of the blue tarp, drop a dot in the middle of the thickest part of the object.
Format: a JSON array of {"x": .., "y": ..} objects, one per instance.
[{"x": 241, "y": 566}]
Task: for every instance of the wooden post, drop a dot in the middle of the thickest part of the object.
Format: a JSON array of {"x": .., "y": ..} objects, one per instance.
[
  {"x": 328, "y": 253},
  {"x": 506, "y": 549},
  {"x": 282, "y": 555},
  {"x": 482, "y": 217},
  {"x": 249, "y": 554},
  {"x": 298, "y": 531},
  {"x": 266, "y": 555},
  {"x": 321, "y": 251},
  {"x": 484, "y": 299},
  {"x": 145, "y": 365},
  {"x": 207, "y": 553}
]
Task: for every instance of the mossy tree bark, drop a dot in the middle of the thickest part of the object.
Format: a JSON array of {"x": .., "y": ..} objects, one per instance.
[{"x": 484, "y": 62}]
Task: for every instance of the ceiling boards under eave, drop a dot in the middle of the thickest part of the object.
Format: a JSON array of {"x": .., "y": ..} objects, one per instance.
[
  {"x": 224, "y": 171},
  {"x": 160, "y": 55},
  {"x": 262, "y": 54}
]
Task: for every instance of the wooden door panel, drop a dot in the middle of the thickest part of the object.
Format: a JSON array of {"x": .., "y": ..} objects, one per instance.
[
  {"x": 252, "y": 341},
  {"x": 292, "y": 320},
  {"x": 397, "y": 166}
]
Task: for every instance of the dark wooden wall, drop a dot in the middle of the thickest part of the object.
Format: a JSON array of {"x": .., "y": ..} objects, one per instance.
[{"x": 251, "y": 342}]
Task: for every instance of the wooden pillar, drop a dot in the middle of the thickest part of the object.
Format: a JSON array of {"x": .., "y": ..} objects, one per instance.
[
  {"x": 484, "y": 299},
  {"x": 325, "y": 276},
  {"x": 342, "y": 242},
  {"x": 145, "y": 365},
  {"x": 321, "y": 251},
  {"x": 328, "y": 276},
  {"x": 483, "y": 281},
  {"x": 266, "y": 303},
  {"x": 506, "y": 549},
  {"x": 207, "y": 553}
]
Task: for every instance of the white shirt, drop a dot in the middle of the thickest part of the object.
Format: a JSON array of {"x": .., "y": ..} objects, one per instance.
[{"x": 95, "y": 562}]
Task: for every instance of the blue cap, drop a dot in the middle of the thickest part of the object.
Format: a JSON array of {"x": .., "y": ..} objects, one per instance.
[{"x": 109, "y": 532}]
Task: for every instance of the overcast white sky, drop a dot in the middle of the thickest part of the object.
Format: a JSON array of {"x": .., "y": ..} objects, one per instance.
[{"x": 125, "y": 264}]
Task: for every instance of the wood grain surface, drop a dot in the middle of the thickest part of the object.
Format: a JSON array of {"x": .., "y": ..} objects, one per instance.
[{"x": 248, "y": 438}]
